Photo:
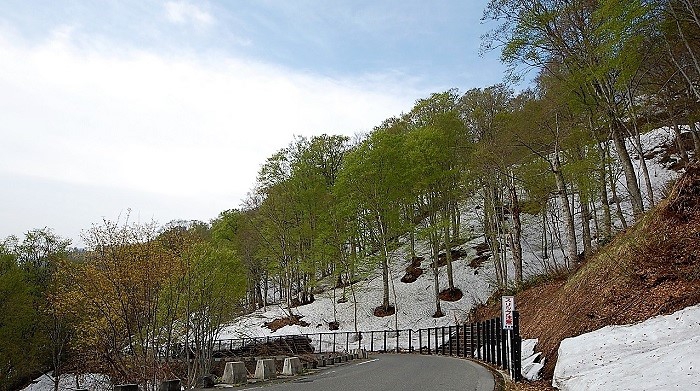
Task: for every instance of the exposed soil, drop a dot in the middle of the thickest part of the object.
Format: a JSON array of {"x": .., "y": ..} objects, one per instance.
[
  {"x": 455, "y": 253},
  {"x": 651, "y": 269},
  {"x": 382, "y": 311},
  {"x": 452, "y": 294},
  {"x": 483, "y": 253},
  {"x": 304, "y": 301},
  {"x": 274, "y": 346},
  {"x": 333, "y": 326},
  {"x": 413, "y": 271},
  {"x": 542, "y": 385},
  {"x": 288, "y": 321}
]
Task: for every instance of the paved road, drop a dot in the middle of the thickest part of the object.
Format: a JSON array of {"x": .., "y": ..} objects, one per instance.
[{"x": 394, "y": 372}]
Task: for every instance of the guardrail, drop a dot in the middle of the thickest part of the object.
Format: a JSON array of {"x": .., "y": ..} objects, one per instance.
[{"x": 485, "y": 341}]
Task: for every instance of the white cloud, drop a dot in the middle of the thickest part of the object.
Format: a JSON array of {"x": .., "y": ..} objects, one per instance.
[
  {"x": 183, "y": 12},
  {"x": 175, "y": 126}
]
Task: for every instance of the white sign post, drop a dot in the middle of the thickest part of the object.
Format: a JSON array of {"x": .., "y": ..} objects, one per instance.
[{"x": 507, "y": 308}]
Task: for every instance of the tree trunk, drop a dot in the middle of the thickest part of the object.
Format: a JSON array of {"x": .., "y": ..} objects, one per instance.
[
  {"x": 679, "y": 138},
  {"x": 448, "y": 248},
  {"x": 456, "y": 221},
  {"x": 695, "y": 130},
  {"x": 627, "y": 168},
  {"x": 516, "y": 247},
  {"x": 385, "y": 263},
  {"x": 618, "y": 208},
  {"x": 491, "y": 229},
  {"x": 571, "y": 245},
  {"x": 436, "y": 245},
  {"x": 586, "y": 227}
]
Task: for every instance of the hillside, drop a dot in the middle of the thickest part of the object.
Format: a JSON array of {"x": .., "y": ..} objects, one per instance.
[
  {"x": 415, "y": 301},
  {"x": 652, "y": 268}
]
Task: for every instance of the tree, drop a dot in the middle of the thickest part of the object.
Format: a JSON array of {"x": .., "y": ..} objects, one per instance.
[
  {"x": 372, "y": 182},
  {"x": 573, "y": 40},
  {"x": 19, "y": 351}
]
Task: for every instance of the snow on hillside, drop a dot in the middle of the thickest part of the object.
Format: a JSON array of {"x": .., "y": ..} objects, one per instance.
[
  {"x": 658, "y": 354},
  {"x": 415, "y": 301}
]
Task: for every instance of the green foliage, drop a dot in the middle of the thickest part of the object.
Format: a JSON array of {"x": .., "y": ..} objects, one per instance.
[{"x": 19, "y": 343}]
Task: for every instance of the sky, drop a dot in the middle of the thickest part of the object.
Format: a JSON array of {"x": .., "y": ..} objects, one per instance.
[{"x": 165, "y": 110}]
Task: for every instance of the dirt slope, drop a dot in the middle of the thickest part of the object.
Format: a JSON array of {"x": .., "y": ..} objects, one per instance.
[{"x": 652, "y": 268}]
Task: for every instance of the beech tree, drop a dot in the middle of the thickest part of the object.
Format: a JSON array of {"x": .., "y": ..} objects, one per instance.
[{"x": 571, "y": 39}]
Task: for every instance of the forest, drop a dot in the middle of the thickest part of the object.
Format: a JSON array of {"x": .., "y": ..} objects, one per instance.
[{"x": 566, "y": 149}]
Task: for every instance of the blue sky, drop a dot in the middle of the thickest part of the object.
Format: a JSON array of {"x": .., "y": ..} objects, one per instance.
[{"x": 168, "y": 108}]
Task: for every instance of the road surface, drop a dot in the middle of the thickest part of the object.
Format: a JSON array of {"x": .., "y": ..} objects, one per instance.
[{"x": 393, "y": 372}]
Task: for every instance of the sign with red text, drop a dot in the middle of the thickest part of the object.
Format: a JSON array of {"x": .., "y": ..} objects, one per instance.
[{"x": 507, "y": 308}]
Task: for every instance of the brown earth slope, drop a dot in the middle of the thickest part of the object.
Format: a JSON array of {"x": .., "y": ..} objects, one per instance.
[{"x": 653, "y": 268}]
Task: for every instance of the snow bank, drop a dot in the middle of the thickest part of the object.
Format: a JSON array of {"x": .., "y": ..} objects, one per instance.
[
  {"x": 531, "y": 363},
  {"x": 69, "y": 382},
  {"x": 661, "y": 353}
]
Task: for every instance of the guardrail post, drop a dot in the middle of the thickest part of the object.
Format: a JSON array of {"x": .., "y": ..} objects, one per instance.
[
  {"x": 347, "y": 341},
  {"x": 494, "y": 357},
  {"x": 333, "y": 342},
  {"x": 384, "y": 342},
  {"x": 487, "y": 340},
  {"x": 472, "y": 340},
  {"x": 420, "y": 341},
  {"x": 436, "y": 341},
  {"x": 371, "y": 342},
  {"x": 478, "y": 342},
  {"x": 457, "y": 335},
  {"x": 397, "y": 340},
  {"x": 429, "y": 341},
  {"x": 499, "y": 352},
  {"x": 442, "y": 339},
  {"x": 410, "y": 347},
  {"x": 517, "y": 376}
]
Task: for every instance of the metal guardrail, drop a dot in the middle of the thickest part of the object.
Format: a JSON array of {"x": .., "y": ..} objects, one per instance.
[{"x": 484, "y": 341}]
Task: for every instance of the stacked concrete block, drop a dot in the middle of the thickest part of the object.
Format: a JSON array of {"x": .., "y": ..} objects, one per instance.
[
  {"x": 235, "y": 373},
  {"x": 292, "y": 366},
  {"x": 265, "y": 369}
]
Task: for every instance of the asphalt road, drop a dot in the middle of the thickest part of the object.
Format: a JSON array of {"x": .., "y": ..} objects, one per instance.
[{"x": 393, "y": 372}]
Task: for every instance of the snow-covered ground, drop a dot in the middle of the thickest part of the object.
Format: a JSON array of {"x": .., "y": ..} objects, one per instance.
[
  {"x": 662, "y": 353},
  {"x": 70, "y": 382},
  {"x": 531, "y": 362},
  {"x": 415, "y": 302}
]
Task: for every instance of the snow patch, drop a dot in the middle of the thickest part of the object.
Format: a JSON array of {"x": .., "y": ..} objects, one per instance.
[
  {"x": 531, "y": 362},
  {"x": 660, "y": 353}
]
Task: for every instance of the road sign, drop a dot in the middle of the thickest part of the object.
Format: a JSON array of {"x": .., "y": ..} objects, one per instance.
[{"x": 507, "y": 308}]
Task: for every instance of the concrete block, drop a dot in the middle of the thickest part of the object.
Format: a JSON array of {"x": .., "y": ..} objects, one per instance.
[
  {"x": 361, "y": 353},
  {"x": 235, "y": 373},
  {"x": 338, "y": 359},
  {"x": 207, "y": 381},
  {"x": 265, "y": 369},
  {"x": 292, "y": 366},
  {"x": 170, "y": 385},
  {"x": 322, "y": 361}
]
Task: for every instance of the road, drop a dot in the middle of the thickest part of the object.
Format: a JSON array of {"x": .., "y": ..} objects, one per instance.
[{"x": 394, "y": 372}]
